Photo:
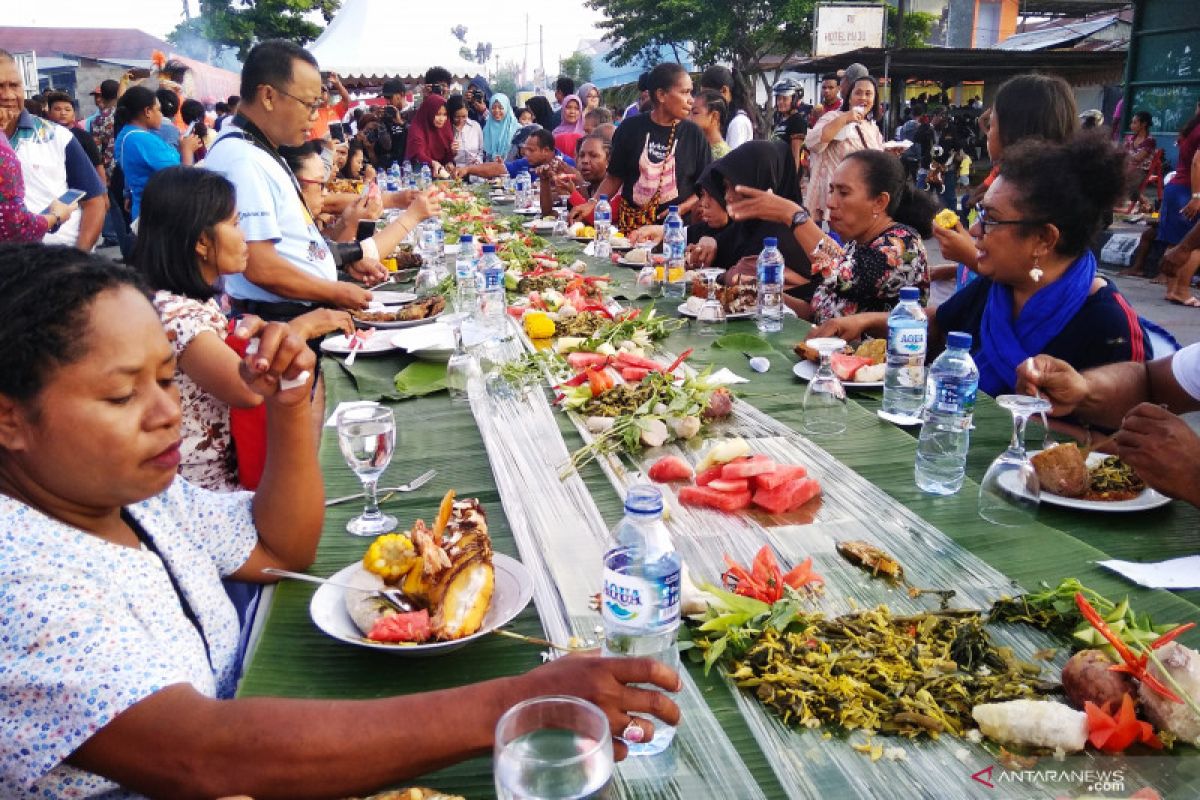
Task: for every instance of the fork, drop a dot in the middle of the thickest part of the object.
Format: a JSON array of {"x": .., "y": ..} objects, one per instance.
[
  {"x": 393, "y": 597},
  {"x": 415, "y": 483}
]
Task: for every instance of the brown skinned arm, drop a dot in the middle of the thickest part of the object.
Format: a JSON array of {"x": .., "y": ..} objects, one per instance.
[
  {"x": 1116, "y": 388},
  {"x": 91, "y": 222},
  {"x": 271, "y": 271}
]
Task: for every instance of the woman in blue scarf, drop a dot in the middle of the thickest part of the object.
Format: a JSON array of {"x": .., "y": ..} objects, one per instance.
[
  {"x": 501, "y": 126},
  {"x": 1039, "y": 290}
]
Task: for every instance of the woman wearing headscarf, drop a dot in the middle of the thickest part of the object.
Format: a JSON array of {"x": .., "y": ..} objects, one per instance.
[
  {"x": 568, "y": 134},
  {"x": 590, "y": 96},
  {"x": 430, "y": 136},
  {"x": 501, "y": 127}
]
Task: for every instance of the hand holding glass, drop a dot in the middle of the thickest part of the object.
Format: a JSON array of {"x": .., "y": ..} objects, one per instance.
[{"x": 553, "y": 748}]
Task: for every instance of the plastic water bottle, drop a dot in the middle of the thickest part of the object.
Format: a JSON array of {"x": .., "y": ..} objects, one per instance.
[
  {"x": 946, "y": 434},
  {"x": 439, "y": 244},
  {"x": 523, "y": 182},
  {"x": 394, "y": 171},
  {"x": 409, "y": 178},
  {"x": 602, "y": 222},
  {"x": 769, "y": 314},
  {"x": 641, "y": 600},
  {"x": 904, "y": 378},
  {"x": 674, "y": 245},
  {"x": 426, "y": 177},
  {"x": 466, "y": 280},
  {"x": 491, "y": 295}
]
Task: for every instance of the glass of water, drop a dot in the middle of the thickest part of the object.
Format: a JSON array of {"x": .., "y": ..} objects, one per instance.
[
  {"x": 553, "y": 748},
  {"x": 1011, "y": 492},
  {"x": 367, "y": 436},
  {"x": 462, "y": 368},
  {"x": 825, "y": 399},
  {"x": 712, "y": 314}
]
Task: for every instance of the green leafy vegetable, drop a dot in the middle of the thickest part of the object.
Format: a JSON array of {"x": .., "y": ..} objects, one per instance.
[
  {"x": 421, "y": 378},
  {"x": 744, "y": 343}
]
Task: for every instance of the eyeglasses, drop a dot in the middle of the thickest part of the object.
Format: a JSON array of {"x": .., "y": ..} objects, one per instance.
[
  {"x": 988, "y": 225},
  {"x": 314, "y": 108},
  {"x": 310, "y": 182}
]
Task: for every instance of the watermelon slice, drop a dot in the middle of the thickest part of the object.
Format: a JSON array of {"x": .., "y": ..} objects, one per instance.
[
  {"x": 747, "y": 467},
  {"x": 580, "y": 361},
  {"x": 710, "y": 498},
  {"x": 729, "y": 485},
  {"x": 782, "y": 474},
  {"x": 670, "y": 468},
  {"x": 709, "y": 475},
  {"x": 787, "y": 496},
  {"x": 634, "y": 374},
  {"x": 844, "y": 366},
  {"x": 411, "y": 627}
]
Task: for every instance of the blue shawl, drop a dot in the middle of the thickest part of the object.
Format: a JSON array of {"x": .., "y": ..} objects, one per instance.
[
  {"x": 1005, "y": 342},
  {"x": 498, "y": 136}
]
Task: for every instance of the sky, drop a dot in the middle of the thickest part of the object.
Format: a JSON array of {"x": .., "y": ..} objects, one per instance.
[{"x": 565, "y": 21}]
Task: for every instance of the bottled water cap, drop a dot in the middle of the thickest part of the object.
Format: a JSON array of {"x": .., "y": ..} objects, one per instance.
[
  {"x": 604, "y": 197},
  {"x": 959, "y": 340},
  {"x": 909, "y": 293},
  {"x": 489, "y": 248},
  {"x": 643, "y": 499},
  {"x": 770, "y": 241},
  {"x": 466, "y": 238},
  {"x": 672, "y": 209}
]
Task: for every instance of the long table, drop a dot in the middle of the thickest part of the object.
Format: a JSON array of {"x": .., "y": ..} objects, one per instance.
[{"x": 294, "y": 659}]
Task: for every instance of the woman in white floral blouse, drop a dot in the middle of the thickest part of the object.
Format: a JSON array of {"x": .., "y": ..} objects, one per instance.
[
  {"x": 187, "y": 238},
  {"x": 881, "y": 220}
]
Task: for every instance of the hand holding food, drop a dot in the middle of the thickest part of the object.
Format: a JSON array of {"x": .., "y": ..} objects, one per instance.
[
  {"x": 349, "y": 296},
  {"x": 946, "y": 218},
  {"x": 956, "y": 244}
]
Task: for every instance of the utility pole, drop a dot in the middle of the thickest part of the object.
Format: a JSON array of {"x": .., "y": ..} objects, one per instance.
[
  {"x": 896, "y": 93},
  {"x": 525, "y": 57},
  {"x": 187, "y": 12},
  {"x": 542, "y": 55}
]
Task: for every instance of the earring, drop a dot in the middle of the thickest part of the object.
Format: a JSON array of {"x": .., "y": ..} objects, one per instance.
[{"x": 1035, "y": 272}]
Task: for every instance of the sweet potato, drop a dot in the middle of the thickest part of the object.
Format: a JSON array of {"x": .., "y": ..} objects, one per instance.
[{"x": 1086, "y": 676}]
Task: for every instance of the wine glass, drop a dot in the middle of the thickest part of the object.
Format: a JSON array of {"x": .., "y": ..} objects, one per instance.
[
  {"x": 462, "y": 368},
  {"x": 553, "y": 747},
  {"x": 825, "y": 398},
  {"x": 1010, "y": 492},
  {"x": 712, "y": 314},
  {"x": 427, "y": 281},
  {"x": 367, "y": 437}
]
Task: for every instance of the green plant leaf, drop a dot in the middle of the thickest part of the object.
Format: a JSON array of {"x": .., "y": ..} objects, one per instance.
[
  {"x": 744, "y": 343},
  {"x": 421, "y": 378}
]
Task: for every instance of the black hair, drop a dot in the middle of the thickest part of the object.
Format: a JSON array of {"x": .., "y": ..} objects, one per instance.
[
  {"x": 295, "y": 155},
  {"x": 713, "y": 101},
  {"x": 716, "y": 77},
  {"x": 45, "y": 294},
  {"x": 181, "y": 204},
  {"x": 1191, "y": 124},
  {"x": 109, "y": 89},
  {"x": 542, "y": 113},
  {"x": 221, "y": 107},
  {"x": 565, "y": 85},
  {"x": 662, "y": 78},
  {"x": 543, "y": 138},
  {"x": 522, "y": 110},
  {"x": 883, "y": 172},
  {"x": 355, "y": 146},
  {"x": 174, "y": 70},
  {"x": 271, "y": 63},
  {"x": 438, "y": 75},
  {"x": 169, "y": 101},
  {"x": 1070, "y": 185},
  {"x": 1035, "y": 106},
  {"x": 876, "y": 110},
  {"x": 831, "y": 76},
  {"x": 233, "y": 100},
  {"x": 644, "y": 82},
  {"x": 136, "y": 101},
  {"x": 58, "y": 97},
  {"x": 192, "y": 111},
  {"x": 605, "y": 142},
  {"x": 1146, "y": 117},
  {"x": 453, "y": 104}
]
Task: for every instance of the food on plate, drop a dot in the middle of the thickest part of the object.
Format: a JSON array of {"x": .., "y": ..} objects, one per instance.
[
  {"x": 1181, "y": 720},
  {"x": 1088, "y": 676},
  {"x": 638, "y": 255},
  {"x": 871, "y": 558},
  {"x": 582, "y": 325},
  {"x": 1115, "y": 732},
  {"x": 809, "y": 353},
  {"x": 736, "y": 299},
  {"x": 1062, "y": 470},
  {"x": 874, "y": 349},
  {"x": 670, "y": 468},
  {"x": 845, "y": 366},
  {"x": 538, "y": 325},
  {"x": 445, "y": 569},
  {"x": 742, "y": 480},
  {"x": 724, "y": 451},
  {"x": 1036, "y": 723},
  {"x": 707, "y": 497},
  {"x": 1113, "y": 479},
  {"x": 946, "y": 218},
  {"x": 870, "y": 373},
  {"x": 422, "y": 309},
  {"x": 414, "y": 793}
]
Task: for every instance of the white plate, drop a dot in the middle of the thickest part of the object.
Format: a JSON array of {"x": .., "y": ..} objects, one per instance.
[
  {"x": 340, "y": 345},
  {"x": 528, "y": 212},
  {"x": 805, "y": 370},
  {"x": 621, "y": 244},
  {"x": 1145, "y": 501},
  {"x": 514, "y": 588},
  {"x": 502, "y": 199},
  {"x": 393, "y": 298},
  {"x": 687, "y": 312},
  {"x": 436, "y": 342},
  {"x": 407, "y": 323},
  {"x": 638, "y": 264}
]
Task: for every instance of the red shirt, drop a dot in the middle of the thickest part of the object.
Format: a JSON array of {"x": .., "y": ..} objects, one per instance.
[{"x": 1187, "y": 151}]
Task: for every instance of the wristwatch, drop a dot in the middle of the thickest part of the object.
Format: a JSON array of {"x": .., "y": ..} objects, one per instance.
[{"x": 800, "y": 217}]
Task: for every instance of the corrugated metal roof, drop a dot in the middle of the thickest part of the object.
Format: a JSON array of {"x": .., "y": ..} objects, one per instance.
[
  {"x": 94, "y": 43},
  {"x": 1061, "y": 34}
]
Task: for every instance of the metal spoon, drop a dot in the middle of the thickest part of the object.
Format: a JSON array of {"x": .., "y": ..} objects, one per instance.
[{"x": 393, "y": 597}]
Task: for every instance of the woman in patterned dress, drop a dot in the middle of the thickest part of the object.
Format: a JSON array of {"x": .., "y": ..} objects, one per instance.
[
  {"x": 836, "y": 135},
  {"x": 880, "y": 217},
  {"x": 118, "y": 662},
  {"x": 188, "y": 238}
]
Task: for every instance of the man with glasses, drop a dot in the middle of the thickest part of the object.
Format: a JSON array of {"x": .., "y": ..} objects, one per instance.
[{"x": 290, "y": 267}]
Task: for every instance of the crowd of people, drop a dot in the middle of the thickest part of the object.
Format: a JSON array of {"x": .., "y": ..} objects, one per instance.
[{"x": 114, "y": 379}]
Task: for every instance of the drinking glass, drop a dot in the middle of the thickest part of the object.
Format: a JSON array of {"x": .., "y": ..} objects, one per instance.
[
  {"x": 427, "y": 281},
  {"x": 462, "y": 368},
  {"x": 1010, "y": 492},
  {"x": 552, "y": 748},
  {"x": 560, "y": 222},
  {"x": 712, "y": 313},
  {"x": 825, "y": 398},
  {"x": 367, "y": 437}
]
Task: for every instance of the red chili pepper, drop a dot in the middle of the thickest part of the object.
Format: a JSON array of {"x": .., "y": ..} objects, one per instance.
[
  {"x": 632, "y": 313},
  {"x": 1113, "y": 733},
  {"x": 578, "y": 380},
  {"x": 1134, "y": 665},
  {"x": 682, "y": 357},
  {"x": 596, "y": 308},
  {"x": 765, "y": 581}
]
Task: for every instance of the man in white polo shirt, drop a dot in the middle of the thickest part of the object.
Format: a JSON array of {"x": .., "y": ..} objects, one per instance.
[
  {"x": 1143, "y": 400},
  {"x": 51, "y": 163},
  {"x": 290, "y": 266}
]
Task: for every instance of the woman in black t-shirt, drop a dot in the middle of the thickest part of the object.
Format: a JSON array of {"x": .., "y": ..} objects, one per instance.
[{"x": 658, "y": 156}]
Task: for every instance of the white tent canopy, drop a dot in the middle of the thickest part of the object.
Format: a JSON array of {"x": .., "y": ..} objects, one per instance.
[{"x": 388, "y": 39}]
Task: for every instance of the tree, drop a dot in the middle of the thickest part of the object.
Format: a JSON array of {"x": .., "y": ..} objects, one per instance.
[
  {"x": 918, "y": 28},
  {"x": 578, "y": 67},
  {"x": 242, "y": 23},
  {"x": 740, "y": 32},
  {"x": 465, "y": 53},
  {"x": 505, "y": 80},
  {"x": 483, "y": 52}
]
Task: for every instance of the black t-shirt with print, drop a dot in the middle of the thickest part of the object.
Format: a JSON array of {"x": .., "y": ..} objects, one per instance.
[
  {"x": 789, "y": 127},
  {"x": 640, "y": 134}
]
